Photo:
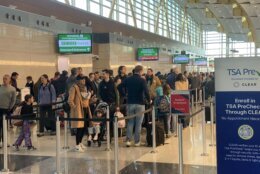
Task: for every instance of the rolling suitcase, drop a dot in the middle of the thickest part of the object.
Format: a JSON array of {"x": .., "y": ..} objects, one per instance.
[{"x": 160, "y": 138}]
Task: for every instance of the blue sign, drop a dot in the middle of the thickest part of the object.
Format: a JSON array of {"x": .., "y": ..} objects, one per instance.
[
  {"x": 238, "y": 132},
  {"x": 238, "y": 116}
]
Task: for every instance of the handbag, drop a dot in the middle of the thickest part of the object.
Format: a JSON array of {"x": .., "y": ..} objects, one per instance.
[{"x": 66, "y": 107}]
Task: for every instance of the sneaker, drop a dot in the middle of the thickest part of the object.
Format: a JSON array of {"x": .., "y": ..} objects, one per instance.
[
  {"x": 16, "y": 148},
  {"x": 128, "y": 143},
  {"x": 138, "y": 144},
  {"x": 31, "y": 148},
  {"x": 40, "y": 135},
  {"x": 79, "y": 149},
  {"x": 83, "y": 146}
]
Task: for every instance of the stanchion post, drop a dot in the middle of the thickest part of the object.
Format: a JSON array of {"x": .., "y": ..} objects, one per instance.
[
  {"x": 177, "y": 122},
  {"x": 196, "y": 97},
  {"x": 192, "y": 103},
  {"x": 192, "y": 106},
  {"x": 66, "y": 146},
  {"x": 116, "y": 143},
  {"x": 58, "y": 169},
  {"x": 5, "y": 169},
  {"x": 204, "y": 153},
  {"x": 108, "y": 130},
  {"x": 180, "y": 127},
  {"x": 154, "y": 131},
  {"x": 201, "y": 96},
  {"x": 212, "y": 123},
  {"x": 38, "y": 122}
]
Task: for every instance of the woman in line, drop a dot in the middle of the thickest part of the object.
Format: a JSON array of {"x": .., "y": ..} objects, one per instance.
[
  {"x": 78, "y": 100},
  {"x": 46, "y": 96},
  {"x": 181, "y": 83}
]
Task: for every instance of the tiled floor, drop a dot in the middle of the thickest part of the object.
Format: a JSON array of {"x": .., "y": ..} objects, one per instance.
[{"x": 131, "y": 160}]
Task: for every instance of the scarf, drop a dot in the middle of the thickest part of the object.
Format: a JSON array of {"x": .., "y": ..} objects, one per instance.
[{"x": 83, "y": 91}]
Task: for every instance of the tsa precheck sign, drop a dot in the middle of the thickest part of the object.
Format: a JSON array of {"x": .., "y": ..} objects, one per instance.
[{"x": 238, "y": 115}]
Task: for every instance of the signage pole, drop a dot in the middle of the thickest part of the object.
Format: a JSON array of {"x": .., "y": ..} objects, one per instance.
[
  {"x": 180, "y": 143},
  {"x": 212, "y": 123}
]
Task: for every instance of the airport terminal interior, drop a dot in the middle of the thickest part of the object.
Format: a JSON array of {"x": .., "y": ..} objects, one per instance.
[{"x": 104, "y": 43}]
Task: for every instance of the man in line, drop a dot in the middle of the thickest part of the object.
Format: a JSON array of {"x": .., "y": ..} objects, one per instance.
[
  {"x": 171, "y": 78},
  {"x": 8, "y": 99},
  {"x": 13, "y": 82},
  {"x": 137, "y": 90}
]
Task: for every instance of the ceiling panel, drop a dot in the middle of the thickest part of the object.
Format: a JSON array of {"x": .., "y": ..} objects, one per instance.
[
  {"x": 209, "y": 27},
  {"x": 256, "y": 22},
  {"x": 221, "y": 11},
  {"x": 250, "y": 9},
  {"x": 233, "y": 25}
]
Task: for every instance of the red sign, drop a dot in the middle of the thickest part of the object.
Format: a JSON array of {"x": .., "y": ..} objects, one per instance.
[{"x": 180, "y": 102}]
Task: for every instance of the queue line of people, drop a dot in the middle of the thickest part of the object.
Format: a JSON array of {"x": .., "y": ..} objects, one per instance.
[{"x": 137, "y": 90}]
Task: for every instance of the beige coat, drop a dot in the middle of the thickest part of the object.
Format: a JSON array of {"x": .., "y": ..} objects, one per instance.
[
  {"x": 76, "y": 106},
  {"x": 182, "y": 85}
]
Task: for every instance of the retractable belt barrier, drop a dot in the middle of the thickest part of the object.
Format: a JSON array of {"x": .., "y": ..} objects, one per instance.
[{"x": 58, "y": 119}]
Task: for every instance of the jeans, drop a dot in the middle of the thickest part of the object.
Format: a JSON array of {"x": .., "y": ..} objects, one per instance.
[{"x": 134, "y": 122}]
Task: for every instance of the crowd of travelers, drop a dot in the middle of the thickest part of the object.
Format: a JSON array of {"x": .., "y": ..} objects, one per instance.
[{"x": 88, "y": 97}]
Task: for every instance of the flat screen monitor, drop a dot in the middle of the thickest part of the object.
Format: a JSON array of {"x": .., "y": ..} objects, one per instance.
[
  {"x": 75, "y": 43},
  {"x": 181, "y": 59},
  {"x": 201, "y": 61},
  {"x": 148, "y": 54}
]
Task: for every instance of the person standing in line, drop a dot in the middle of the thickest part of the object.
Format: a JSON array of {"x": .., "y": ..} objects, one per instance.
[
  {"x": 14, "y": 78},
  {"x": 8, "y": 99},
  {"x": 195, "y": 84},
  {"x": 97, "y": 81},
  {"x": 94, "y": 93},
  {"x": 25, "y": 133},
  {"x": 181, "y": 83},
  {"x": 56, "y": 77},
  {"x": 30, "y": 84},
  {"x": 36, "y": 89},
  {"x": 171, "y": 77},
  {"x": 152, "y": 82},
  {"x": 163, "y": 104},
  {"x": 107, "y": 93},
  {"x": 71, "y": 81},
  {"x": 121, "y": 73},
  {"x": 92, "y": 83},
  {"x": 46, "y": 97},
  {"x": 137, "y": 90},
  {"x": 88, "y": 82},
  {"x": 77, "y": 94},
  {"x": 107, "y": 89}
]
